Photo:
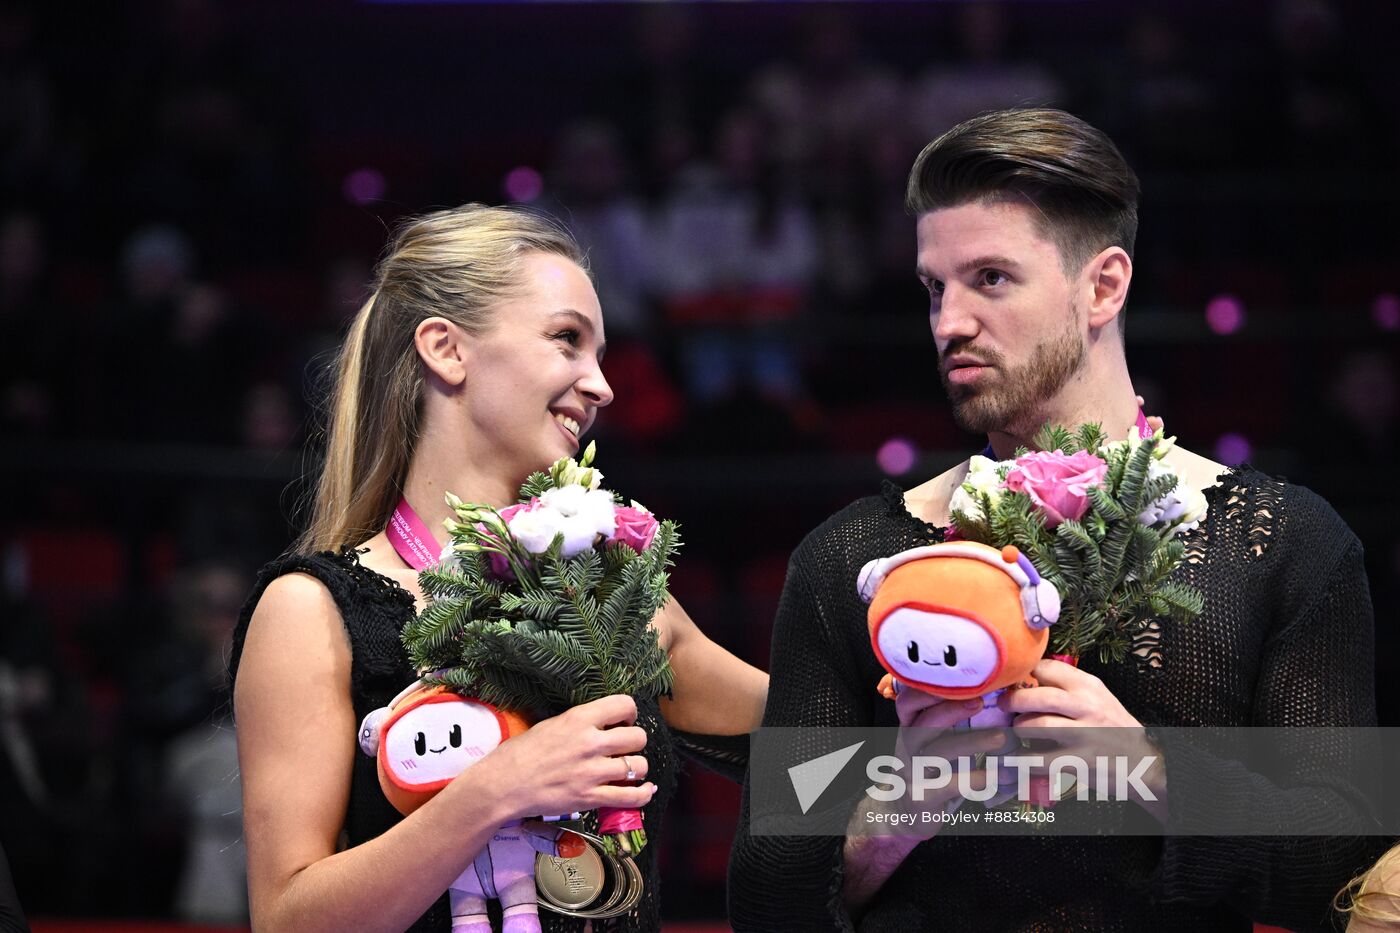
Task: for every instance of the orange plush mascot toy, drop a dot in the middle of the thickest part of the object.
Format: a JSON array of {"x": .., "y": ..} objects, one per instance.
[
  {"x": 959, "y": 620},
  {"x": 424, "y": 738}
]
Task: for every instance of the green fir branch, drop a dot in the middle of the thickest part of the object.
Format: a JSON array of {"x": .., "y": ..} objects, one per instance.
[{"x": 1089, "y": 437}]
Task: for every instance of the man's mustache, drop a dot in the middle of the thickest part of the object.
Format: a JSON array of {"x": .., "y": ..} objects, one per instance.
[{"x": 967, "y": 355}]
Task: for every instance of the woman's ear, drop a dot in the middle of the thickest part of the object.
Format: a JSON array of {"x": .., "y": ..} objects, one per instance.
[
  {"x": 442, "y": 347},
  {"x": 1110, "y": 273}
]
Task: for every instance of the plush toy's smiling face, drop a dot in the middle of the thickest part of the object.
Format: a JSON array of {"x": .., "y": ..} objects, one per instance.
[
  {"x": 436, "y": 741},
  {"x": 936, "y": 648}
]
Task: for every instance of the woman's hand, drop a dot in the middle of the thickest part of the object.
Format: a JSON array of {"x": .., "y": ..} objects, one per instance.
[{"x": 578, "y": 760}]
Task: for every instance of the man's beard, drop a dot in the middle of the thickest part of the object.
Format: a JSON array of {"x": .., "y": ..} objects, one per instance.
[{"x": 1011, "y": 403}]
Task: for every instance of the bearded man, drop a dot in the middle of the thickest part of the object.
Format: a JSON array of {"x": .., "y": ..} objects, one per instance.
[{"x": 1026, "y": 221}]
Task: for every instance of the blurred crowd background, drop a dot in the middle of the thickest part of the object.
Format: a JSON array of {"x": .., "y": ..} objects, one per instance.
[{"x": 193, "y": 194}]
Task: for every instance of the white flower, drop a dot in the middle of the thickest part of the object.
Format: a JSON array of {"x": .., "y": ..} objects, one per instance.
[
  {"x": 535, "y": 530},
  {"x": 1195, "y": 508},
  {"x": 984, "y": 476},
  {"x": 1179, "y": 510},
  {"x": 579, "y": 514}
]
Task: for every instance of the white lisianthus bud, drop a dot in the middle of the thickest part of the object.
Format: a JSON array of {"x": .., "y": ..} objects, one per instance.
[
  {"x": 639, "y": 507},
  {"x": 452, "y": 501},
  {"x": 589, "y": 451},
  {"x": 563, "y": 468},
  {"x": 492, "y": 519},
  {"x": 1164, "y": 445},
  {"x": 466, "y": 547}
]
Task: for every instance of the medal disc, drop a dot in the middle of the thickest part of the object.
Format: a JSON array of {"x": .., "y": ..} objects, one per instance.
[{"x": 571, "y": 883}]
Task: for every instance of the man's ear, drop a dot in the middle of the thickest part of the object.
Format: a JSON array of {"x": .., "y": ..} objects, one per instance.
[
  {"x": 442, "y": 347},
  {"x": 1108, "y": 276}
]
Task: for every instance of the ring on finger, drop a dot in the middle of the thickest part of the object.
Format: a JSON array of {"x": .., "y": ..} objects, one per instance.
[{"x": 631, "y": 772}]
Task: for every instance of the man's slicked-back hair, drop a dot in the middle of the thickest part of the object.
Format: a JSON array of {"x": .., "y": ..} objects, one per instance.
[{"x": 1085, "y": 194}]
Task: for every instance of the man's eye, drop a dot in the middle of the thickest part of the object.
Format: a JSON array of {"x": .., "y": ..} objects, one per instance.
[
  {"x": 455, "y": 736},
  {"x": 992, "y": 277},
  {"x": 935, "y": 287},
  {"x": 420, "y": 744}
]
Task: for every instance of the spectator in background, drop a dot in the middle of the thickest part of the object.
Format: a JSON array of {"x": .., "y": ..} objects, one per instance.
[
  {"x": 1162, "y": 100},
  {"x": 30, "y": 401},
  {"x": 201, "y": 762},
  {"x": 736, "y": 248},
  {"x": 28, "y": 162},
  {"x": 985, "y": 75},
  {"x": 820, "y": 110},
  {"x": 1326, "y": 103},
  {"x": 592, "y": 189}
]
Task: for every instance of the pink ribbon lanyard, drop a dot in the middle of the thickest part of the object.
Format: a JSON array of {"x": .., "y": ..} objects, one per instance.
[
  {"x": 411, "y": 538},
  {"x": 1143, "y": 429}
]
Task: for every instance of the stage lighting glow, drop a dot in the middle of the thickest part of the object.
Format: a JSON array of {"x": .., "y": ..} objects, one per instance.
[
  {"x": 523, "y": 184},
  {"x": 1233, "y": 449},
  {"x": 896, "y": 456},
  {"x": 363, "y": 186},
  {"x": 1386, "y": 311},
  {"x": 1225, "y": 314}
]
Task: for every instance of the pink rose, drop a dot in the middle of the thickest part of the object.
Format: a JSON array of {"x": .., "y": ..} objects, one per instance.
[
  {"x": 635, "y": 527},
  {"x": 1057, "y": 483},
  {"x": 499, "y": 565}
]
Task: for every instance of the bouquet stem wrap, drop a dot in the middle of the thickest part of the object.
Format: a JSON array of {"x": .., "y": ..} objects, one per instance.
[{"x": 621, "y": 830}]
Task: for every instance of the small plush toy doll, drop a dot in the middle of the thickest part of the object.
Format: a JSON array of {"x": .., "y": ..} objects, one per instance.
[
  {"x": 423, "y": 739},
  {"x": 958, "y": 620}
]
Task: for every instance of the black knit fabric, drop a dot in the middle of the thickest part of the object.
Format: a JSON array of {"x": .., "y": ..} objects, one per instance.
[
  {"x": 374, "y": 609},
  {"x": 1286, "y": 640}
]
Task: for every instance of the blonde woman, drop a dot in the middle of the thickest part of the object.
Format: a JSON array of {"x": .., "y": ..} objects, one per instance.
[
  {"x": 1373, "y": 899},
  {"x": 475, "y": 361}
]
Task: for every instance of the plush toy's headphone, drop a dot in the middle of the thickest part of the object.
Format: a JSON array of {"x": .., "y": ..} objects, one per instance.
[{"x": 1040, "y": 600}]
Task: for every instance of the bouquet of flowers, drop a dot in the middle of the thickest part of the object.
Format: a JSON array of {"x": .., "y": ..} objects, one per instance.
[
  {"x": 1101, "y": 520},
  {"x": 547, "y": 604}
]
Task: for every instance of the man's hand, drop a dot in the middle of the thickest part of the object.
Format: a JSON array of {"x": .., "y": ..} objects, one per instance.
[
  {"x": 1066, "y": 696},
  {"x": 1070, "y": 697},
  {"x": 925, "y": 722}
]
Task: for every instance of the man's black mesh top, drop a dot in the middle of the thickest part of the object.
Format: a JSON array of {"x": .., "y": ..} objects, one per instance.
[{"x": 1285, "y": 640}]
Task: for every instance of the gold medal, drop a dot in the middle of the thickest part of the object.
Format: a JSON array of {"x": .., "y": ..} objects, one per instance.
[
  {"x": 571, "y": 883},
  {"x": 593, "y": 885}
]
